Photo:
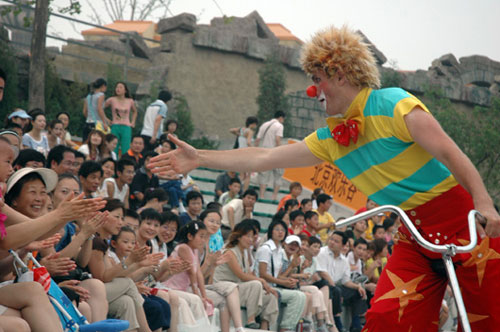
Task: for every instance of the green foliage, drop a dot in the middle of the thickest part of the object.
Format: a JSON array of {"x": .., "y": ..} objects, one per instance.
[
  {"x": 390, "y": 79},
  {"x": 8, "y": 64},
  {"x": 272, "y": 86},
  {"x": 185, "y": 129},
  {"x": 204, "y": 143},
  {"x": 114, "y": 74},
  {"x": 476, "y": 134},
  {"x": 61, "y": 96}
]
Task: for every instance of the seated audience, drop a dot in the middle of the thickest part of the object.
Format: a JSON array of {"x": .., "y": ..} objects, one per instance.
[
  {"x": 135, "y": 152},
  {"x": 118, "y": 187},
  {"x": 143, "y": 179},
  {"x": 90, "y": 175},
  {"x": 237, "y": 210},
  {"x": 232, "y": 193},
  {"x": 295, "y": 191},
  {"x": 194, "y": 202},
  {"x": 256, "y": 295},
  {"x": 269, "y": 260},
  {"x": 29, "y": 158},
  {"x": 93, "y": 146},
  {"x": 61, "y": 159},
  {"x": 334, "y": 268}
]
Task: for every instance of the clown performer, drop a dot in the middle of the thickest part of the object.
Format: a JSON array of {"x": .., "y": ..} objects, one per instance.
[{"x": 390, "y": 146}]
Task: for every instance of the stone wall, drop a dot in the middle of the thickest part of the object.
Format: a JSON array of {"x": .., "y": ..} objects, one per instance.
[{"x": 216, "y": 68}]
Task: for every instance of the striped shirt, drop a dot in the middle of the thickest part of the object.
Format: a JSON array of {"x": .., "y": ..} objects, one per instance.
[{"x": 385, "y": 163}]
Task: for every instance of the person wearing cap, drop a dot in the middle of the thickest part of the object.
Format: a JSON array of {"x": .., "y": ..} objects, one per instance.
[
  {"x": 22, "y": 230},
  {"x": 20, "y": 117},
  {"x": 295, "y": 266},
  {"x": 268, "y": 263},
  {"x": 390, "y": 146}
]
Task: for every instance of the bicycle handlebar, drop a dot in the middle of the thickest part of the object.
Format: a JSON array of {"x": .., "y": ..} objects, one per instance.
[{"x": 450, "y": 249}]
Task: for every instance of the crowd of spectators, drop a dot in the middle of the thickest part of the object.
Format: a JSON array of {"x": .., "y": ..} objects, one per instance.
[{"x": 124, "y": 242}]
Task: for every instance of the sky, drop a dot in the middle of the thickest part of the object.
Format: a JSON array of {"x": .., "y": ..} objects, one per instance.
[{"x": 411, "y": 34}]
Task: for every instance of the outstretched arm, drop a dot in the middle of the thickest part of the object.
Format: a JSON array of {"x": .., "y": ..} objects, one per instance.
[
  {"x": 427, "y": 132},
  {"x": 186, "y": 158}
]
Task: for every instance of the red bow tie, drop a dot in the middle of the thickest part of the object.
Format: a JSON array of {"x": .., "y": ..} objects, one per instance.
[{"x": 343, "y": 132}]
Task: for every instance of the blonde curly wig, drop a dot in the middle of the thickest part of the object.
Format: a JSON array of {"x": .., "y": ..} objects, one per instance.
[{"x": 334, "y": 49}]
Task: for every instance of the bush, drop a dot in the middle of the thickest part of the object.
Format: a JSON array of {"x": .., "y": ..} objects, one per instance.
[{"x": 272, "y": 86}]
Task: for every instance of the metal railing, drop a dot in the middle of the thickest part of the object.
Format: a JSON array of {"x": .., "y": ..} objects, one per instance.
[{"x": 448, "y": 251}]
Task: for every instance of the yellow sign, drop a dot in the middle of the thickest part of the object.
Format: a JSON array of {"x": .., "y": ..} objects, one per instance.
[{"x": 331, "y": 179}]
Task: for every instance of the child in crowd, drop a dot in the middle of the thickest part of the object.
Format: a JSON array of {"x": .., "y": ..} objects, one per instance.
[
  {"x": 377, "y": 261},
  {"x": 193, "y": 238},
  {"x": 311, "y": 223},
  {"x": 326, "y": 220},
  {"x": 296, "y": 222},
  {"x": 320, "y": 298},
  {"x": 306, "y": 205},
  {"x": 378, "y": 232},
  {"x": 232, "y": 193},
  {"x": 293, "y": 267},
  {"x": 295, "y": 191},
  {"x": 157, "y": 309},
  {"x": 125, "y": 301}
]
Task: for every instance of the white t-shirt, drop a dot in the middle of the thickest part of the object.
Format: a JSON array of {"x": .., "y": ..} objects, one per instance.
[
  {"x": 118, "y": 194},
  {"x": 271, "y": 255},
  {"x": 271, "y": 129},
  {"x": 239, "y": 211},
  {"x": 337, "y": 267},
  {"x": 156, "y": 108},
  {"x": 359, "y": 265}
]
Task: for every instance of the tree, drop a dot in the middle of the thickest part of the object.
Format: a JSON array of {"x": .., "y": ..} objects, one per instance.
[
  {"x": 272, "y": 86},
  {"x": 476, "y": 133},
  {"x": 36, "y": 88},
  {"x": 37, "y": 59},
  {"x": 11, "y": 99},
  {"x": 133, "y": 10}
]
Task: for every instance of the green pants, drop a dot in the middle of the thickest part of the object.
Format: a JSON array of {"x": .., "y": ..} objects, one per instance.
[{"x": 124, "y": 134}]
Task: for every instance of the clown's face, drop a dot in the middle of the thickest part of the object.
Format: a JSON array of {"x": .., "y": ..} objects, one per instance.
[{"x": 328, "y": 92}]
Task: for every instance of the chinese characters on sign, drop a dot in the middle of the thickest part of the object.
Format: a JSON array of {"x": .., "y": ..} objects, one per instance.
[
  {"x": 331, "y": 179},
  {"x": 334, "y": 182}
]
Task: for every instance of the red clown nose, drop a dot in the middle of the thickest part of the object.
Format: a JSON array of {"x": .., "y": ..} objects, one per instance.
[{"x": 312, "y": 91}]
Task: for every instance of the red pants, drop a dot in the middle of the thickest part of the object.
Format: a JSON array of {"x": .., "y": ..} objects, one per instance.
[{"x": 410, "y": 291}]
